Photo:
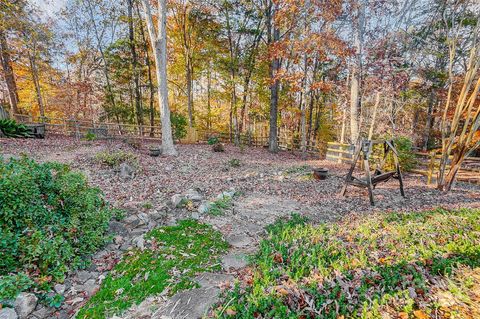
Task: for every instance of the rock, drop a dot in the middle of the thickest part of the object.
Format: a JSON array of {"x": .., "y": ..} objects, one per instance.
[
  {"x": 59, "y": 289},
  {"x": 139, "y": 242},
  {"x": 189, "y": 304},
  {"x": 25, "y": 304},
  {"x": 157, "y": 215},
  {"x": 234, "y": 260},
  {"x": 212, "y": 279},
  {"x": 126, "y": 171},
  {"x": 176, "y": 199},
  {"x": 83, "y": 276},
  {"x": 193, "y": 195},
  {"x": 144, "y": 219},
  {"x": 118, "y": 228},
  {"x": 8, "y": 313},
  {"x": 227, "y": 194},
  {"x": 89, "y": 287},
  {"x": 132, "y": 221},
  {"x": 204, "y": 207},
  {"x": 195, "y": 215},
  {"x": 42, "y": 312},
  {"x": 118, "y": 240},
  {"x": 239, "y": 240}
]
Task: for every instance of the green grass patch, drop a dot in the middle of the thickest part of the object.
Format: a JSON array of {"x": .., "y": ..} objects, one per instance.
[
  {"x": 176, "y": 254},
  {"x": 393, "y": 264},
  {"x": 302, "y": 169},
  {"x": 218, "y": 207}
]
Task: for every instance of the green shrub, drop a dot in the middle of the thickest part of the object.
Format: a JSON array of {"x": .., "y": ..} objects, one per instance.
[
  {"x": 234, "y": 162},
  {"x": 406, "y": 156},
  {"x": 50, "y": 222},
  {"x": 115, "y": 158},
  {"x": 212, "y": 140},
  {"x": 179, "y": 125},
  {"x": 90, "y": 136},
  {"x": 11, "y": 128},
  {"x": 218, "y": 207}
]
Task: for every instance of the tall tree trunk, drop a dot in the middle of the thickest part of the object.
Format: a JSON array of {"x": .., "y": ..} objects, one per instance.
[
  {"x": 429, "y": 122},
  {"x": 159, "y": 44},
  {"x": 36, "y": 82},
  {"x": 151, "y": 87},
  {"x": 356, "y": 78},
  {"x": 303, "y": 104},
  {"x": 8, "y": 73},
  {"x": 273, "y": 36},
  {"x": 209, "y": 104},
  {"x": 110, "y": 95},
  {"x": 310, "y": 118},
  {"x": 136, "y": 81},
  {"x": 189, "y": 79}
]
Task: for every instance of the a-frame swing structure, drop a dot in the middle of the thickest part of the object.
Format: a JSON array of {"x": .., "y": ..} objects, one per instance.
[{"x": 364, "y": 149}]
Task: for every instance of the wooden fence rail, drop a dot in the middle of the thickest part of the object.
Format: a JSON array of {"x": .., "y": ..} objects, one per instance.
[{"x": 79, "y": 128}]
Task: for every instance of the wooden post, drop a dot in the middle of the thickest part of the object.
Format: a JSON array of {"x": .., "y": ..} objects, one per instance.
[{"x": 350, "y": 172}]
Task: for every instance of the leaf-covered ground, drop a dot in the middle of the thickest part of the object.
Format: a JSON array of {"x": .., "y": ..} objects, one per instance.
[
  {"x": 174, "y": 254},
  {"x": 258, "y": 171},
  {"x": 410, "y": 265}
]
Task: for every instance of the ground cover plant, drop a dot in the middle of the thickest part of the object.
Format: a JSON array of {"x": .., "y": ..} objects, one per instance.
[
  {"x": 115, "y": 158},
  {"x": 11, "y": 128},
  {"x": 173, "y": 257},
  {"x": 412, "y": 265},
  {"x": 51, "y": 220}
]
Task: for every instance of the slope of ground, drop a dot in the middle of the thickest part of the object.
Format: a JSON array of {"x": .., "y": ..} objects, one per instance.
[{"x": 411, "y": 265}]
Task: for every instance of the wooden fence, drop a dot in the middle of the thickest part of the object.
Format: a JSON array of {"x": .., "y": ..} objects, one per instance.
[
  {"x": 79, "y": 128},
  {"x": 427, "y": 163}
]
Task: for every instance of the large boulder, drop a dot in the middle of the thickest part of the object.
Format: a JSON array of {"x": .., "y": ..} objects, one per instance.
[
  {"x": 193, "y": 195},
  {"x": 177, "y": 199},
  {"x": 25, "y": 304},
  {"x": 126, "y": 171},
  {"x": 8, "y": 313}
]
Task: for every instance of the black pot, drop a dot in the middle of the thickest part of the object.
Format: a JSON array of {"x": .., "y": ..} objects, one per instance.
[
  {"x": 320, "y": 173},
  {"x": 155, "y": 152}
]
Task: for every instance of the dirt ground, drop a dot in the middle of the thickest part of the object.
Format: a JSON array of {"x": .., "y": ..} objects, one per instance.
[
  {"x": 260, "y": 173},
  {"x": 270, "y": 186}
]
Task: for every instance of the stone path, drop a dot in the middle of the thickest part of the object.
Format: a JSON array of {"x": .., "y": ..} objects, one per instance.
[{"x": 242, "y": 227}]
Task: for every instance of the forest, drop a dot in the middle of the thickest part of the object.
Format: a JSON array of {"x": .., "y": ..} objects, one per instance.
[{"x": 308, "y": 70}]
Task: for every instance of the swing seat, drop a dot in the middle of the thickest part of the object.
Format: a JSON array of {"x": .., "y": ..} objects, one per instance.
[
  {"x": 383, "y": 177},
  {"x": 376, "y": 179}
]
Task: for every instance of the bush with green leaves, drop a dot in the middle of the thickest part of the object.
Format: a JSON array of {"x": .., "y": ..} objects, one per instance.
[
  {"x": 179, "y": 125},
  {"x": 212, "y": 140},
  {"x": 11, "y": 128},
  {"x": 90, "y": 136},
  {"x": 406, "y": 156},
  {"x": 115, "y": 158},
  {"x": 51, "y": 221}
]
